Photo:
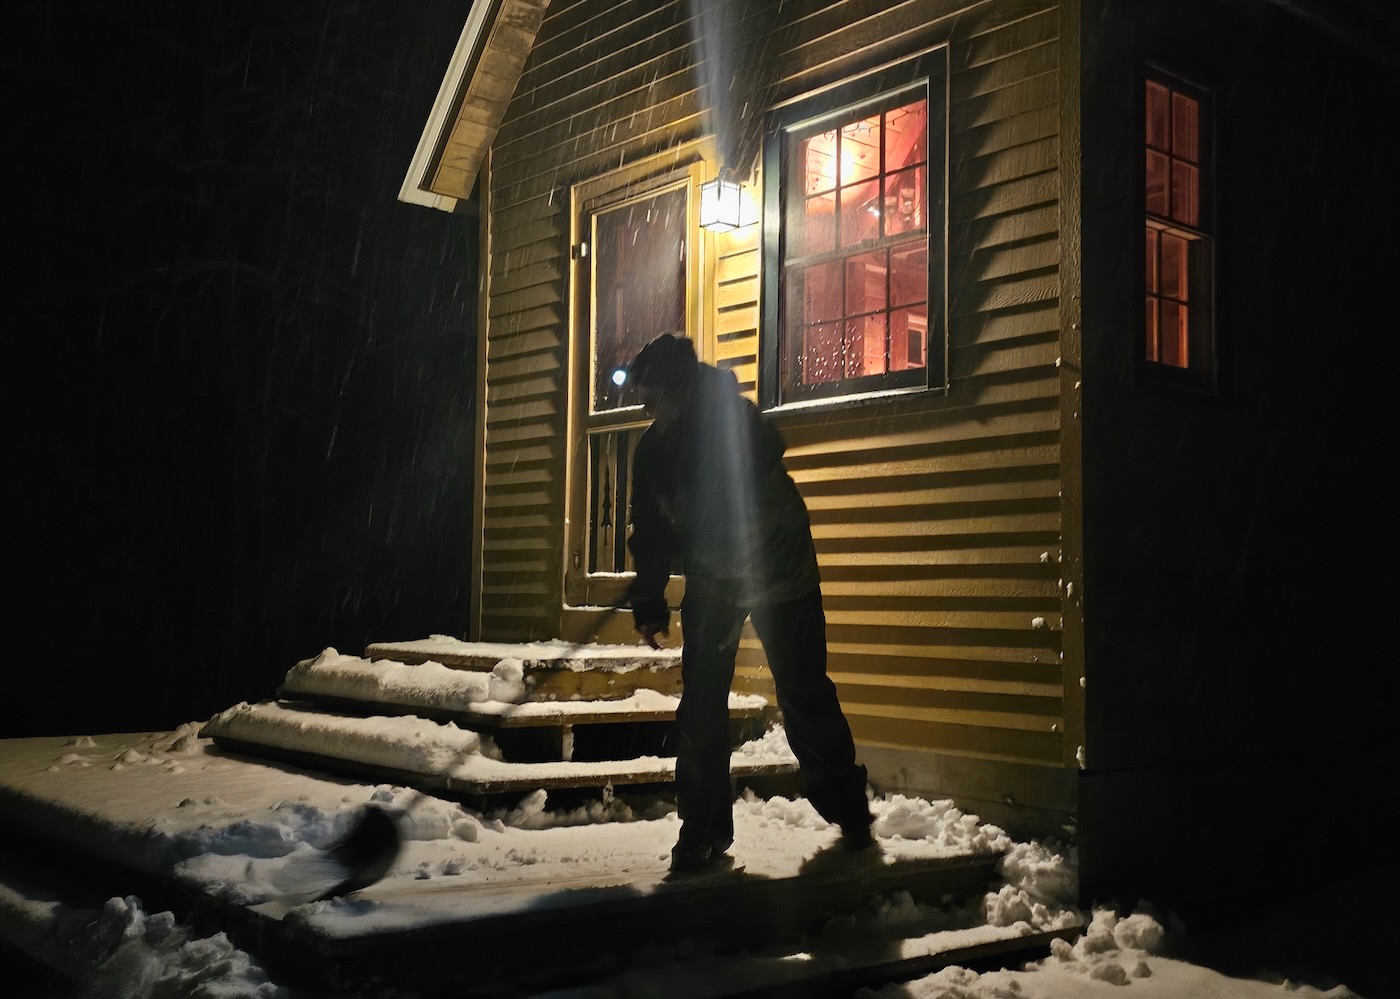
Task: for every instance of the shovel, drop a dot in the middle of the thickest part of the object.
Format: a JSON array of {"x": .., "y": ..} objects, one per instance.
[{"x": 358, "y": 858}]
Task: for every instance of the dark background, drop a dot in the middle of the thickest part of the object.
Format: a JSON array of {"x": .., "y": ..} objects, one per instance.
[{"x": 239, "y": 374}]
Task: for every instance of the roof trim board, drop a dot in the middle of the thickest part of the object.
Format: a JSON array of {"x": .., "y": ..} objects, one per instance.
[{"x": 471, "y": 101}]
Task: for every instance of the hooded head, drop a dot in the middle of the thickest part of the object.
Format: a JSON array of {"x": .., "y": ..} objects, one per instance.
[{"x": 664, "y": 374}]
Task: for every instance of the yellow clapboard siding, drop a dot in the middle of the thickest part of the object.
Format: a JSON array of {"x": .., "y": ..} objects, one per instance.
[
  {"x": 526, "y": 365},
  {"x": 851, "y": 468},
  {"x": 1006, "y": 105},
  {"x": 522, "y": 412},
  {"x": 1005, "y": 199},
  {"x": 727, "y": 350},
  {"x": 1039, "y": 589},
  {"x": 1004, "y": 71},
  {"x": 516, "y": 475},
  {"x": 1006, "y": 133},
  {"x": 988, "y": 296},
  {"x": 969, "y": 741},
  {"x": 737, "y": 292},
  {"x": 518, "y": 499},
  {"x": 998, "y": 262},
  {"x": 978, "y": 50},
  {"x": 506, "y": 339},
  {"x": 518, "y": 456},
  {"x": 838, "y": 565},
  {"x": 933, "y": 433},
  {"x": 956, "y": 684},
  {"x": 514, "y": 391},
  {"x": 740, "y": 320},
  {"x": 982, "y": 359},
  {"x": 534, "y": 298},
  {"x": 884, "y": 494},
  {"x": 988, "y": 621},
  {"x": 733, "y": 266},
  {"x": 513, "y": 434},
  {"x": 1004, "y": 165},
  {"x": 737, "y": 243},
  {"x": 747, "y": 374}
]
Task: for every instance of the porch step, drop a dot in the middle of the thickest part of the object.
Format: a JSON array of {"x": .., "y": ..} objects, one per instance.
[
  {"x": 501, "y": 703},
  {"x": 580, "y": 935},
  {"x": 555, "y": 670},
  {"x": 831, "y": 970},
  {"x": 436, "y": 757}
]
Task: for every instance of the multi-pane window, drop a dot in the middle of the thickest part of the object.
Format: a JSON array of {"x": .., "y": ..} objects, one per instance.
[
  {"x": 1178, "y": 239},
  {"x": 860, "y": 197}
]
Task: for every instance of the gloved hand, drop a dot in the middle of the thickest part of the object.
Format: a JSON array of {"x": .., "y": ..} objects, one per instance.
[{"x": 651, "y": 617}]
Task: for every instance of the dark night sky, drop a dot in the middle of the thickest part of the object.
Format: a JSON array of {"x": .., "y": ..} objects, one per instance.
[{"x": 239, "y": 388}]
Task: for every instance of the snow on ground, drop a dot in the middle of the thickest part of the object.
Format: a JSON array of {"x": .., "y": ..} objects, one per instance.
[
  {"x": 233, "y": 826},
  {"x": 245, "y": 831}
]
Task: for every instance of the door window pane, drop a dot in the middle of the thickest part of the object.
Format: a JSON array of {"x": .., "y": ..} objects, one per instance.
[{"x": 639, "y": 284}]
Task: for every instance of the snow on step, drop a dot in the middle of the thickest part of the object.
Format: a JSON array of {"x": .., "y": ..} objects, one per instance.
[
  {"x": 496, "y": 699},
  {"x": 555, "y": 654},
  {"x": 554, "y": 670},
  {"x": 453, "y": 758},
  {"x": 424, "y": 685}
]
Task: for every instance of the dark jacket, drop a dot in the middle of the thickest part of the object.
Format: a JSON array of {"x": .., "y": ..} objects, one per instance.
[{"x": 711, "y": 499}]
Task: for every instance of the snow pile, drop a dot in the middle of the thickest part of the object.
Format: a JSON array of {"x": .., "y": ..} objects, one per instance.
[
  {"x": 145, "y": 956},
  {"x": 166, "y": 750},
  {"x": 424, "y": 685},
  {"x": 532, "y": 813}
]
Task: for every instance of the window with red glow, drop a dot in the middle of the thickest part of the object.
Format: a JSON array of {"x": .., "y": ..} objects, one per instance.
[
  {"x": 1178, "y": 241},
  {"x": 856, "y": 268}
]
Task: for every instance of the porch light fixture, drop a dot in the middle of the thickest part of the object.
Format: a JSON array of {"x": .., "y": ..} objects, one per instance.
[{"x": 720, "y": 204}]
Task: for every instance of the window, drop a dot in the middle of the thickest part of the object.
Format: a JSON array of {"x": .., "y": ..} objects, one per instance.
[
  {"x": 1178, "y": 345},
  {"x": 855, "y": 270}
]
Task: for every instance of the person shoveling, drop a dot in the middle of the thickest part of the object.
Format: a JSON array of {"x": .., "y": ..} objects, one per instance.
[{"x": 710, "y": 493}]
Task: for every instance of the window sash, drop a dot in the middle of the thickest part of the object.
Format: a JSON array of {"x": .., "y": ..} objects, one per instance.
[
  {"x": 873, "y": 333},
  {"x": 1178, "y": 336}
]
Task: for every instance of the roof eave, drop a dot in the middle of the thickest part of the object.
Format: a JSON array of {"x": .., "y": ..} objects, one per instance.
[{"x": 471, "y": 101}]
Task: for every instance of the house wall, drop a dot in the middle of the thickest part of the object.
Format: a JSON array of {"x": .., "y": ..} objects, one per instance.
[
  {"x": 937, "y": 517},
  {"x": 1232, "y": 607}
]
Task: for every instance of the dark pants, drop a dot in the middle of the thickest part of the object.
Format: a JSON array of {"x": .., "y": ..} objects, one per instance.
[{"x": 794, "y": 641}]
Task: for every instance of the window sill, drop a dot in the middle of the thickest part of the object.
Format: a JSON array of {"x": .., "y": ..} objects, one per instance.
[{"x": 853, "y": 401}]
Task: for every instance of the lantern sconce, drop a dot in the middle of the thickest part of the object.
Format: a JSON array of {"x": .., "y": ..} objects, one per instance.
[{"x": 721, "y": 205}]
